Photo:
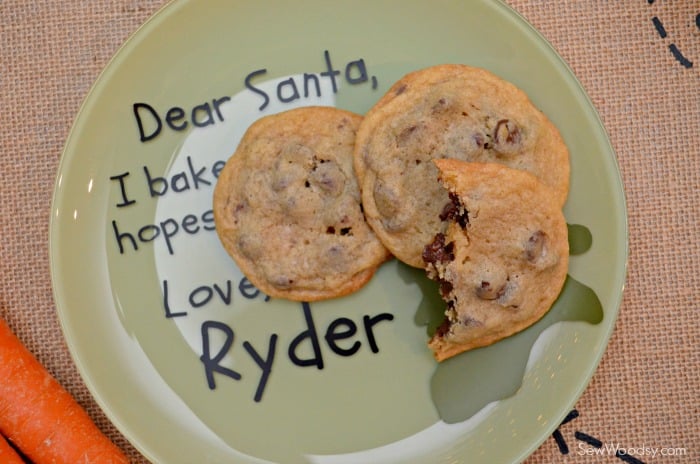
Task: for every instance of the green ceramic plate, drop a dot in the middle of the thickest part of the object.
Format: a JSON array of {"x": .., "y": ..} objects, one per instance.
[{"x": 191, "y": 362}]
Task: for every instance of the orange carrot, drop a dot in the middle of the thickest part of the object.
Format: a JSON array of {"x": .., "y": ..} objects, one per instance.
[
  {"x": 7, "y": 454},
  {"x": 40, "y": 417}
]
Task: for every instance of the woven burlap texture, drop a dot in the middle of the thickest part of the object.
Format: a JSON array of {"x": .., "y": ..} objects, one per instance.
[{"x": 632, "y": 57}]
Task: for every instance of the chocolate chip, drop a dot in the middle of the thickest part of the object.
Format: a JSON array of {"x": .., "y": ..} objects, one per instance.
[
  {"x": 448, "y": 211},
  {"x": 468, "y": 321},
  {"x": 487, "y": 291},
  {"x": 386, "y": 198},
  {"x": 327, "y": 176},
  {"x": 282, "y": 282},
  {"x": 445, "y": 287},
  {"x": 343, "y": 230},
  {"x": 438, "y": 251},
  {"x": 440, "y": 105},
  {"x": 534, "y": 247},
  {"x": 443, "y": 328},
  {"x": 404, "y": 137},
  {"x": 455, "y": 211},
  {"x": 506, "y": 132},
  {"x": 240, "y": 207}
]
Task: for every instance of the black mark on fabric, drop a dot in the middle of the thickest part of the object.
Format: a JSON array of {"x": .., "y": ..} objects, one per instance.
[
  {"x": 584, "y": 437},
  {"x": 679, "y": 56},
  {"x": 588, "y": 444},
  {"x": 557, "y": 435},
  {"x": 627, "y": 458},
  {"x": 673, "y": 48},
  {"x": 659, "y": 27}
]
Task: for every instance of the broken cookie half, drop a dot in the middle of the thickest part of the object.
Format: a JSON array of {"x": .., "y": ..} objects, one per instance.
[{"x": 502, "y": 258}]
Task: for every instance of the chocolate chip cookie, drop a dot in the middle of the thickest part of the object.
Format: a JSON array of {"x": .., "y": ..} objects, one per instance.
[
  {"x": 287, "y": 206},
  {"x": 503, "y": 259},
  {"x": 446, "y": 111}
]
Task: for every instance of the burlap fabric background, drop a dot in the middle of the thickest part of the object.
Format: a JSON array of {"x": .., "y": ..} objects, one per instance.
[{"x": 639, "y": 60}]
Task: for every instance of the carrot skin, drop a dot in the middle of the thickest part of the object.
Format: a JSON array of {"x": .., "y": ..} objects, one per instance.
[
  {"x": 40, "y": 417},
  {"x": 7, "y": 454}
]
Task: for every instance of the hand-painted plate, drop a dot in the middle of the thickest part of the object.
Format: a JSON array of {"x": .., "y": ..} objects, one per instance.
[{"x": 191, "y": 362}]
